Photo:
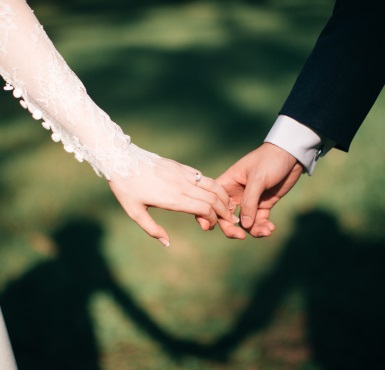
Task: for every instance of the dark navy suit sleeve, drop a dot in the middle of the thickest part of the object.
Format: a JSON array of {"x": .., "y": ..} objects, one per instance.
[{"x": 344, "y": 73}]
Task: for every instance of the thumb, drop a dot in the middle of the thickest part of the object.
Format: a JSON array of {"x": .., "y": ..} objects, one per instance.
[
  {"x": 147, "y": 223},
  {"x": 249, "y": 202}
]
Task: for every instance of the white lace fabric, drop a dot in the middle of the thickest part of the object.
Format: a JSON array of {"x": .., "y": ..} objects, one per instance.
[{"x": 35, "y": 72}]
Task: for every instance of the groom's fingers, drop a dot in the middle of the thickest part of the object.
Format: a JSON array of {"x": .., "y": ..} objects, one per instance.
[
  {"x": 262, "y": 226},
  {"x": 249, "y": 202},
  {"x": 214, "y": 203},
  {"x": 231, "y": 231},
  {"x": 147, "y": 223},
  {"x": 210, "y": 185}
]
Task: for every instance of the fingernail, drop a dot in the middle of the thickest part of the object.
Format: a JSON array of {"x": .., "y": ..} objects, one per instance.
[
  {"x": 235, "y": 219},
  {"x": 164, "y": 241}
]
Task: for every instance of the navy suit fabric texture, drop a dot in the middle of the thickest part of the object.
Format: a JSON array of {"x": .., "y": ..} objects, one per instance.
[{"x": 344, "y": 73}]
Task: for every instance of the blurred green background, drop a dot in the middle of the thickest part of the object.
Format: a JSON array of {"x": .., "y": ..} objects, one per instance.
[{"x": 82, "y": 287}]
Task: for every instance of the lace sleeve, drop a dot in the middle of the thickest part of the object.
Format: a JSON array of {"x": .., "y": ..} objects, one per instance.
[{"x": 36, "y": 73}]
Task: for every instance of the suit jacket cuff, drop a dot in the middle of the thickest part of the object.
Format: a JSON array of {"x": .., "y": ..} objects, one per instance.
[{"x": 303, "y": 143}]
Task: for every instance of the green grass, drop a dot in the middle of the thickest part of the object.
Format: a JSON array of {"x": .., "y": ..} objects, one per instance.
[{"x": 200, "y": 82}]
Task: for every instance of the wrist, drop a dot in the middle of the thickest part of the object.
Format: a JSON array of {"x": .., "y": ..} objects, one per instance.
[
  {"x": 299, "y": 140},
  {"x": 282, "y": 155}
]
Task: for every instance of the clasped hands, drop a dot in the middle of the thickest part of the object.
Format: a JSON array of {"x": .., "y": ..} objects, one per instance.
[{"x": 254, "y": 184}]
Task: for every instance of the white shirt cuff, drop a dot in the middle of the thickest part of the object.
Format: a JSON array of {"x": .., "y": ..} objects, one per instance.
[{"x": 306, "y": 145}]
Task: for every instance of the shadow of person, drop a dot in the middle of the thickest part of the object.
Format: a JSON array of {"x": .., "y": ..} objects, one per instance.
[
  {"x": 342, "y": 280},
  {"x": 47, "y": 309}
]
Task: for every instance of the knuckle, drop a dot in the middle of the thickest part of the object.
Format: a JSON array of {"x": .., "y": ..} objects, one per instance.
[
  {"x": 206, "y": 210},
  {"x": 210, "y": 183}
]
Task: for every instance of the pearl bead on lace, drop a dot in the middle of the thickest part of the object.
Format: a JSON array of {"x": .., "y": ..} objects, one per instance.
[
  {"x": 37, "y": 114},
  {"x": 17, "y": 93},
  {"x": 8, "y": 87},
  {"x": 31, "y": 108},
  {"x": 56, "y": 137},
  {"x": 46, "y": 125},
  {"x": 24, "y": 104},
  {"x": 69, "y": 148}
]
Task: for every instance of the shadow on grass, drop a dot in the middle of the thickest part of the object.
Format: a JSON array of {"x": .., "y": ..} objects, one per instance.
[
  {"x": 46, "y": 309},
  {"x": 342, "y": 281},
  {"x": 341, "y": 278}
]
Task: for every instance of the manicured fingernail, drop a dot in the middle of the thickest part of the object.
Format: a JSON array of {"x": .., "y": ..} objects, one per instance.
[
  {"x": 235, "y": 219},
  {"x": 164, "y": 241}
]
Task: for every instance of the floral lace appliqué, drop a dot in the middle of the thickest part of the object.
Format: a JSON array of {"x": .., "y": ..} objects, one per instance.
[
  {"x": 35, "y": 72},
  {"x": 6, "y": 24}
]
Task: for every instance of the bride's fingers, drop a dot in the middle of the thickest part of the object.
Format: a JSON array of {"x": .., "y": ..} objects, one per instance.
[
  {"x": 204, "y": 224},
  {"x": 209, "y": 184},
  {"x": 211, "y": 199},
  {"x": 147, "y": 223},
  {"x": 200, "y": 208},
  {"x": 195, "y": 177},
  {"x": 212, "y": 193}
]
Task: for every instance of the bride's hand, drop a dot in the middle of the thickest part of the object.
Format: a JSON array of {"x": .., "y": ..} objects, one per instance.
[{"x": 172, "y": 186}]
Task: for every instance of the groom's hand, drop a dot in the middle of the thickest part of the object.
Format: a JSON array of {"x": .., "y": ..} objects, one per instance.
[{"x": 257, "y": 182}]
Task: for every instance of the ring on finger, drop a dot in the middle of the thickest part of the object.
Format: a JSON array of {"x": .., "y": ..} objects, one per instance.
[{"x": 198, "y": 177}]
